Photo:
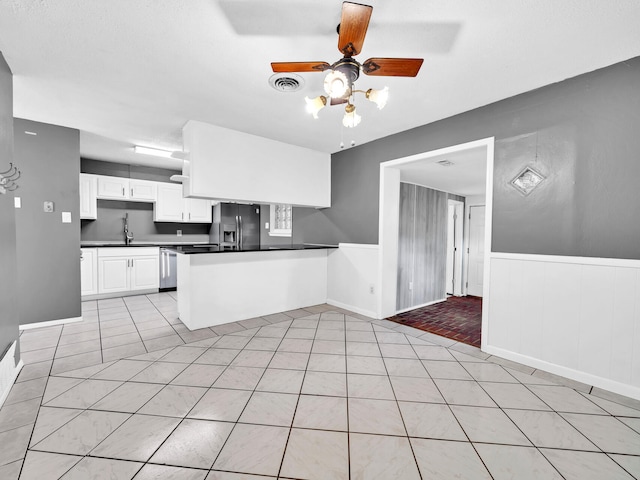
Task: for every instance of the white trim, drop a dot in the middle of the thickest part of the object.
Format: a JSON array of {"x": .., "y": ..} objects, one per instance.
[
  {"x": 488, "y": 224},
  {"x": 352, "y": 308},
  {"x": 610, "y": 262},
  {"x": 51, "y": 323},
  {"x": 591, "y": 380},
  {"x": 124, "y": 293},
  {"x": 359, "y": 245},
  {"x": 423, "y": 305},
  {"x": 12, "y": 378}
]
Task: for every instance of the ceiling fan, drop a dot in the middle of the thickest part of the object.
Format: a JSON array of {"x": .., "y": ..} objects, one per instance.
[{"x": 339, "y": 82}]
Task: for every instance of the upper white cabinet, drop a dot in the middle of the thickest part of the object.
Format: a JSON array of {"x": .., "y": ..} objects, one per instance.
[
  {"x": 280, "y": 172},
  {"x": 115, "y": 188},
  {"x": 142, "y": 190},
  {"x": 172, "y": 207},
  {"x": 88, "y": 196},
  {"x": 169, "y": 205}
]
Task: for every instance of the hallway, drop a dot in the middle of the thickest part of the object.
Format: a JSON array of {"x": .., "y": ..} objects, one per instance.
[{"x": 458, "y": 318}]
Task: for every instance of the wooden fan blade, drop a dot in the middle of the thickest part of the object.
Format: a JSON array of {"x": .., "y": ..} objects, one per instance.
[
  {"x": 392, "y": 67},
  {"x": 338, "y": 101},
  {"x": 353, "y": 27},
  {"x": 279, "y": 67}
]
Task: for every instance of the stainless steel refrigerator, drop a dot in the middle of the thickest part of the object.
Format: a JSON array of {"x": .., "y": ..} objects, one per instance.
[{"x": 235, "y": 225}]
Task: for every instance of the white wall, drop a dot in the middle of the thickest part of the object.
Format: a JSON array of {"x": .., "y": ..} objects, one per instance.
[
  {"x": 572, "y": 316},
  {"x": 226, "y": 164},
  {"x": 351, "y": 272}
]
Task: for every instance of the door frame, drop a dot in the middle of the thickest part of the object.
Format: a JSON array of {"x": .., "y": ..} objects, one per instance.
[
  {"x": 457, "y": 270},
  {"x": 388, "y": 225}
]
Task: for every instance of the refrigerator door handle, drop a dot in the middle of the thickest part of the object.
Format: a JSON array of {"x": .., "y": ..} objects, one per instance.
[
  {"x": 241, "y": 233},
  {"x": 237, "y": 239},
  {"x": 168, "y": 265}
]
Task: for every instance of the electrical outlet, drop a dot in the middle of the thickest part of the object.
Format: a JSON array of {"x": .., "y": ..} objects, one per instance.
[
  {"x": 266, "y": 225},
  {"x": 179, "y": 233},
  {"x": 372, "y": 289},
  {"x": 410, "y": 285}
]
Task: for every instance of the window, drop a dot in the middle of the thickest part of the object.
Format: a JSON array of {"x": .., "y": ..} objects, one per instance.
[{"x": 281, "y": 220}]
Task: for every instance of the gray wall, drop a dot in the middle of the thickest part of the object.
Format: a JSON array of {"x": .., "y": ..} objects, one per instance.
[
  {"x": 109, "y": 225},
  {"x": 582, "y": 133},
  {"x": 9, "y": 274},
  {"x": 48, "y": 251}
]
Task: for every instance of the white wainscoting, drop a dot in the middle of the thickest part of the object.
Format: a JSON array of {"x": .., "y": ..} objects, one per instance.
[
  {"x": 573, "y": 316},
  {"x": 351, "y": 271}
]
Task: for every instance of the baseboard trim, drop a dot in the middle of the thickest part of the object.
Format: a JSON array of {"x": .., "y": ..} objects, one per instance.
[
  {"x": 50, "y": 323},
  {"x": 9, "y": 380},
  {"x": 353, "y": 308},
  {"x": 586, "y": 378},
  {"x": 126, "y": 293},
  {"x": 420, "y": 306}
]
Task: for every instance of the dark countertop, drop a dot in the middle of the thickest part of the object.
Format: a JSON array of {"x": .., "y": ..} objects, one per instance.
[
  {"x": 195, "y": 249},
  {"x": 138, "y": 244}
]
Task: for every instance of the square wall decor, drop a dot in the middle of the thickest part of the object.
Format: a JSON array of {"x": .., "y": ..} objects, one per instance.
[{"x": 527, "y": 180}]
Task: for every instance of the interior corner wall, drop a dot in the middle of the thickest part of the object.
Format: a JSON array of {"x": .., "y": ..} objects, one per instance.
[
  {"x": 48, "y": 250},
  {"x": 8, "y": 277},
  {"x": 580, "y": 133}
]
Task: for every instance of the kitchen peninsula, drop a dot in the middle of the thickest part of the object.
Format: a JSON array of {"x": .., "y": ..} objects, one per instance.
[{"x": 219, "y": 285}]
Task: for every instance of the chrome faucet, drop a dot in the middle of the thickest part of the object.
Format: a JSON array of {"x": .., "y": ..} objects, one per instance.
[{"x": 128, "y": 236}]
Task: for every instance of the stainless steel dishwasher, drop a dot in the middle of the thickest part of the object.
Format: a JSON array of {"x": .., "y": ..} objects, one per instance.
[{"x": 168, "y": 270}]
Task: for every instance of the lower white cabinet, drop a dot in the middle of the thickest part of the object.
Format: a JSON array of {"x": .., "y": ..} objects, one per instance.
[
  {"x": 88, "y": 271},
  {"x": 122, "y": 269}
]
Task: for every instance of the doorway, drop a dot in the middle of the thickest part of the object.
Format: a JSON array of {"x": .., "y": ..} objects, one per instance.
[{"x": 449, "y": 169}]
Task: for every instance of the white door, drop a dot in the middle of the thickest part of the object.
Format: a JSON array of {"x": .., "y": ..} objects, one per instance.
[
  {"x": 88, "y": 200},
  {"x": 113, "y": 274},
  {"x": 88, "y": 272},
  {"x": 145, "y": 273},
  {"x": 454, "y": 248},
  {"x": 197, "y": 210},
  {"x": 116, "y": 188},
  {"x": 143, "y": 190},
  {"x": 170, "y": 204},
  {"x": 476, "y": 250}
]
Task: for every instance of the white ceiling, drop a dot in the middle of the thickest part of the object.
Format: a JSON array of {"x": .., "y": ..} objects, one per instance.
[
  {"x": 465, "y": 176},
  {"x": 129, "y": 72}
]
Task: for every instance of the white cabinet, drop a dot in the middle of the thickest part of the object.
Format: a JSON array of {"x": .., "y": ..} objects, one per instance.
[
  {"x": 197, "y": 210},
  {"x": 123, "y": 269},
  {"x": 142, "y": 190},
  {"x": 88, "y": 196},
  {"x": 88, "y": 271},
  {"x": 169, "y": 205},
  {"x": 113, "y": 188},
  {"x": 172, "y": 207}
]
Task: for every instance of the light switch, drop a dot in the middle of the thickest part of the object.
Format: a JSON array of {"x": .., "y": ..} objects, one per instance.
[
  {"x": 48, "y": 207},
  {"x": 266, "y": 225},
  {"x": 17, "y": 202},
  {"x": 179, "y": 233},
  {"x": 66, "y": 217}
]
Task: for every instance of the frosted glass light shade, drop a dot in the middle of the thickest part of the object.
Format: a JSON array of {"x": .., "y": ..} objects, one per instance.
[
  {"x": 336, "y": 84},
  {"x": 314, "y": 105},
  {"x": 379, "y": 97},
  {"x": 351, "y": 118}
]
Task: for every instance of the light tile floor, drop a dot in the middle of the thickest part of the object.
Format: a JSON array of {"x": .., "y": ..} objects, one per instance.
[{"x": 319, "y": 393}]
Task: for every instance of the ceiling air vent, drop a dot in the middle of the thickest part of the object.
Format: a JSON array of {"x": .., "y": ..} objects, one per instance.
[
  {"x": 445, "y": 163},
  {"x": 286, "y": 82}
]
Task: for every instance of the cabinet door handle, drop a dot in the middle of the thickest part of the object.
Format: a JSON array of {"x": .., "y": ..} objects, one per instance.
[
  {"x": 132, "y": 192},
  {"x": 189, "y": 215},
  {"x": 182, "y": 215},
  {"x": 123, "y": 191}
]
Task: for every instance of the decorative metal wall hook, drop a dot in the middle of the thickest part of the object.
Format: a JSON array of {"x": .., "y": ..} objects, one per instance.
[{"x": 8, "y": 179}]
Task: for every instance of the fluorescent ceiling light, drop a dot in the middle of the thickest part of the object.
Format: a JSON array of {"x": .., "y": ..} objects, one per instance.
[{"x": 156, "y": 152}]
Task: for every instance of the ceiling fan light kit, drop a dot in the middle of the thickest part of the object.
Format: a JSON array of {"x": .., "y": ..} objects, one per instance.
[{"x": 338, "y": 84}]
